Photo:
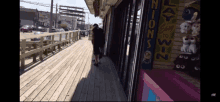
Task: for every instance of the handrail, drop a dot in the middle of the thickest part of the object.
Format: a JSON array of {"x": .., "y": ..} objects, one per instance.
[
  {"x": 23, "y": 43},
  {"x": 45, "y": 34}
]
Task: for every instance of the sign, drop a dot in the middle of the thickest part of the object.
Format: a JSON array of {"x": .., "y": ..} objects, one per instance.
[
  {"x": 151, "y": 30},
  {"x": 167, "y": 26}
]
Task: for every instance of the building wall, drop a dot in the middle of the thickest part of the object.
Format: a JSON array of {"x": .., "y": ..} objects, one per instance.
[
  {"x": 27, "y": 15},
  {"x": 26, "y": 22}
]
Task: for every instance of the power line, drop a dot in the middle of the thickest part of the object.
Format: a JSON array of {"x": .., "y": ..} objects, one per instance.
[{"x": 41, "y": 4}]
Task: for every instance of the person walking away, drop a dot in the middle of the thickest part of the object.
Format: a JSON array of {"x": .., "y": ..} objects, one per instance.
[
  {"x": 96, "y": 43},
  {"x": 102, "y": 44}
]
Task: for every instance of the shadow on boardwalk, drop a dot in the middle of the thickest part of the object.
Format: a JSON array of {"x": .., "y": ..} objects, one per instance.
[{"x": 99, "y": 85}]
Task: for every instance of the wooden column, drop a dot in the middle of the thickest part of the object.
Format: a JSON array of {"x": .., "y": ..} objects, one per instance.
[
  {"x": 59, "y": 45},
  {"x": 41, "y": 46},
  {"x": 23, "y": 46},
  {"x": 52, "y": 42},
  {"x": 46, "y": 50},
  {"x": 69, "y": 37},
  {"x": 73, "y": 36},
  {"x": 34, "y": 55}
]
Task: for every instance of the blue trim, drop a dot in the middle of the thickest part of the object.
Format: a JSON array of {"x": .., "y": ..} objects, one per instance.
[{"x": 151, "y": 96}]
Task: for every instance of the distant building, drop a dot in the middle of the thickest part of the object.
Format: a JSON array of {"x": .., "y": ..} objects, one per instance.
[
  {"x": 28, "y": 16},
  {"x": 71, "y": 22}
]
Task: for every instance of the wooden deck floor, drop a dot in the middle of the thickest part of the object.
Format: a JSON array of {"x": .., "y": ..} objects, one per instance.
[{"x": 71, "y": 76}]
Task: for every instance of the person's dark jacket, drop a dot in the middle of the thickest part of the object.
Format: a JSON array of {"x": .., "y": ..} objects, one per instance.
[{"x": 98, "y": 37}]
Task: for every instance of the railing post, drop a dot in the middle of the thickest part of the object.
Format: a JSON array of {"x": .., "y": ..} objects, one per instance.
[
  {"x": 52, "y": 42},
  {"x": 73, "y": 36},
  {"x": 23, "y": 47},
  {"x": 69, "y": 37},
  {"x": 41, "y": 46},
  {"x": 59, "y": 45},
  {"x": 46, "y": 50},
  {"x": 65, "y": 39},
  {"x": 34, "y": 55}
]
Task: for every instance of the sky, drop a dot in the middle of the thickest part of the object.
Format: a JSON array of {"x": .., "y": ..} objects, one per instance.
[{"x": 76, "y": 3}]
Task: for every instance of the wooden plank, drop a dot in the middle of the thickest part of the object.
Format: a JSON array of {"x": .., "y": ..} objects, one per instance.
[
  {"x": 102, "y": 89},
  {"x": 83, "y": 92},
  {"x": 49, "y": 62},
  {"x": 91, "y": 85},
  {"x": 43, "y": 63},
  {"x": 112, "y": 86},
  {"x": 119, "y": 91},
  {"x": 179, "y": 17},
  {"x": 180, "y": 35},
  {"x": 176, "y": 51},
  {"x": 74, "y": 84},
  {"x": 115, "y": 85},
  {"x": 38, "y": 89},
  {"x": 178, "y": 43},
  {"x": 178, "y": 39},
  {"x": 85, "y": 76},
  {"x": 177, "y": 30},
  {"x": 60, "y": 88},
  {"x": 60, "y": 63},
  {"x": 162, "y": 63},
  {"x": 95, "y": 92},
  {"x": 26, "y": 91},
  {"x": 176, "y": 47},
  {"x": 52, "y": 82},
  {"x": 33, "y": 95},
  {"x": 88, "y": 85},
  {"x": 162, "y": 67},
  {"x": 181, "y": 8},
  {"x": 52, "y": 89},
  {"x": 107, "y": 78}
]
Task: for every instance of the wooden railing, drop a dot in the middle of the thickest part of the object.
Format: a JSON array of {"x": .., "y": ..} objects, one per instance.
[{"x": 45, "y": 44}]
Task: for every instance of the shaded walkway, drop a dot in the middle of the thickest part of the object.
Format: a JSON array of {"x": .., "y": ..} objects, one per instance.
[{"x": 70, "y": 75}]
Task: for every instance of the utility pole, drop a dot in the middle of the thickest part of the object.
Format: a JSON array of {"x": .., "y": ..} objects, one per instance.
[
  {"x": 56, "y": 17},
  {"x": 51, "y": 15},
  {"x": 37, "y": 18}
]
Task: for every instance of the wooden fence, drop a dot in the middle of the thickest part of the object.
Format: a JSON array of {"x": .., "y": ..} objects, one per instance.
[{"x": 44, "y": 45}]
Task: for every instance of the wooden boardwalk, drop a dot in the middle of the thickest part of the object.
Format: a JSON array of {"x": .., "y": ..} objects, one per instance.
[{"x": 71, "y": 76}]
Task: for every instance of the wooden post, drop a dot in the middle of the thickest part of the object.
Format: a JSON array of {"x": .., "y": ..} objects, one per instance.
[
  {"x": 66, "y": 40},
  {"x": 34, "y": 55},
  {"x": 41, "y": 46},
  {"x": 53, "y": 48},
  {"x": 23, "y": 46},
  {"x": 69, "y": 37},
  {"x": 59, "y": 46}
]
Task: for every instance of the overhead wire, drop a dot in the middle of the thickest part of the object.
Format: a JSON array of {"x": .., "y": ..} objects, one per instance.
[{"x": 41, "y": 4}]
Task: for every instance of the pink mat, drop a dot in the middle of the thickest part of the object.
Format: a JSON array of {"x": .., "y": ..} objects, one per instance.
[{"x": 177, "y": 88}]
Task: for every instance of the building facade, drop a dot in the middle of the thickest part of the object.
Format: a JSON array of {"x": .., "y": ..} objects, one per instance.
[
  {"x": 28, "y": 16},
  {"x": 144, "y": 39}
]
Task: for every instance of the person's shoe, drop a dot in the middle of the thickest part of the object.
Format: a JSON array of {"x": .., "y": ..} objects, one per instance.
[{"x": 96, "y": 64}]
